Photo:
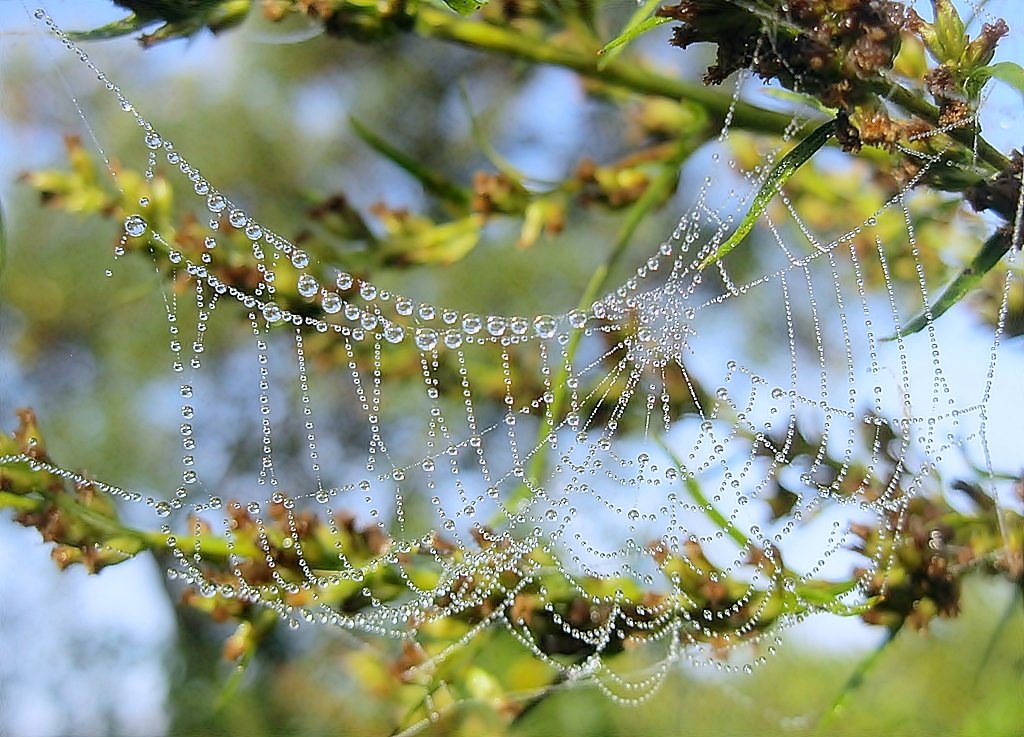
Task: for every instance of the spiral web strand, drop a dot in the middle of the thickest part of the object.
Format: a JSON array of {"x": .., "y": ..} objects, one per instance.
[{"x": 626, "y": 440}]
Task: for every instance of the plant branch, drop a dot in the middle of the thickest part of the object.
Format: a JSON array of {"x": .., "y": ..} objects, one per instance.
[
  {"x": 440, "y": 24},
  {"x": 435, "y": 23},
  {"x": 968, "y": 136}
]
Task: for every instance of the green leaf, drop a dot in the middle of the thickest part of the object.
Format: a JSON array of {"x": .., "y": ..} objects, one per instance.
[
  {"x": 1005, "y": 71},
  {"x": 480, "y": 139},
  {"x": 431, "y": 181},
  {"x": 639, "y": 23},
  {"x": 989, "y": 255},
  {"x": 773, "y": 184},
  {"x": 116, "y": 29},
  {"x": 823, "y": 593},
  {"x": 465, "y": 7}
]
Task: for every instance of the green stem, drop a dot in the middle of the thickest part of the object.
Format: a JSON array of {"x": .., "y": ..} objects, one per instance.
[
  {"x": 965, "y": 135},
  {"x": 1004, "y": 620},
  {"x": 262, "y": 625},
  {"x": 705, "y": 504},
  {"x": 441, "y": 24},
  {"x": 854, "y": 682},
  {"x": 17, "y": 502},
  {"x": 129, "y": 540},
  {"x": 436, "y": 23}
]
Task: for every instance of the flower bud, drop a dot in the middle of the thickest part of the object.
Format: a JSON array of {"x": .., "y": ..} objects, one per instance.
[
  {"x": 950, "y": 37},
  {"x": 980, "y": 51}
]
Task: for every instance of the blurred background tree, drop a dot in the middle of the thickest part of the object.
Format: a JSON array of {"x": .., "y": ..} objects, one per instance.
[{"x": 480, "y": 161}]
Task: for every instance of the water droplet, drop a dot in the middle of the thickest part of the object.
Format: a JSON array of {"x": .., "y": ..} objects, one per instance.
[
  {"x": 344, "y": 281},
  {"x": 237, "y": 218},
  {"x": 271, "y": 312},
  {"x": 394, "y": 333},
  {"x": 496, "y": 325},
  {"x": 426, "y": 339},
  {"x": 307, "y": 285},
  {"x": 216, "y": 203},
  {"x": 453, "y": 339},
  {"x": 135, "y": 226},
  {"x": 367, "y": 291},
  {"x": 331, "y": 302},
  {"x": 545, "y": 326},
  {"x": 472, "y": 324},
  {"x": 153, "y": 140},
  {"x": 300, "y": 259},
  {"x": 519, "y": 325}
]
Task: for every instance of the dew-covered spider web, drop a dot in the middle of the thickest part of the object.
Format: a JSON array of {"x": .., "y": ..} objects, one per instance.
[{"x": 565, "y": 478}]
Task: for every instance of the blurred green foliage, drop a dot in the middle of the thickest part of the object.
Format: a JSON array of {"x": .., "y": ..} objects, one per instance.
[{"x": 465, "y": 224}]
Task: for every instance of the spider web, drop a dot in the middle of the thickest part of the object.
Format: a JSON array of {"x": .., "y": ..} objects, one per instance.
[{"x": 613, "y": 449}]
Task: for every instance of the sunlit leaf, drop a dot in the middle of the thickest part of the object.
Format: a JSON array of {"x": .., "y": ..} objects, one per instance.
[
  {"x": 989, "y": 255},
  {"x": 773, "y": 184}
]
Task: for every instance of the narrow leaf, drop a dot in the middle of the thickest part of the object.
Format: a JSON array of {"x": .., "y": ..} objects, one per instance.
[
  {"x": 116, "y": 29},
  {"x": 773, "y": 184},
  {"x": 480, "y": 139},
  {"x": 631, "y": 33},
  {"x": 639, "y": 23},
  {"x": 989, "y": 255},
  {"x": 432, "y": 182}
]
